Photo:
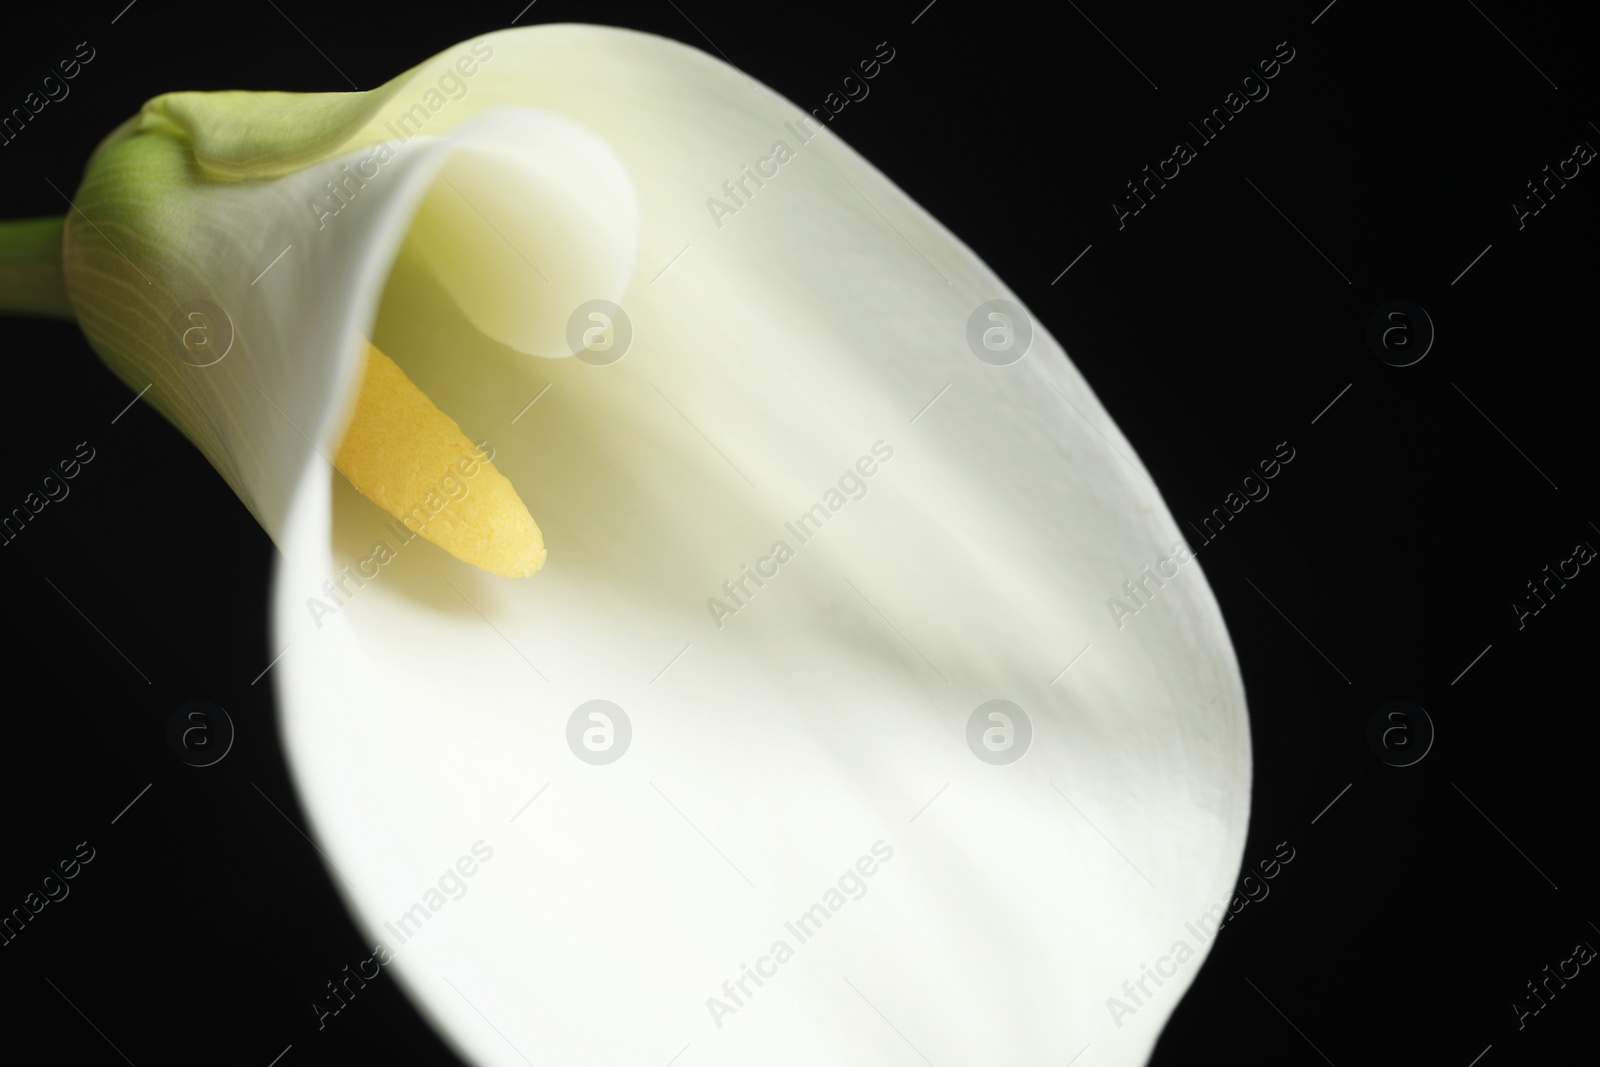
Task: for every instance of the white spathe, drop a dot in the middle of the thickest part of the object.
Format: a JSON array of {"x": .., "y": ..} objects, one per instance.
[{"x": 770, "y": 753}]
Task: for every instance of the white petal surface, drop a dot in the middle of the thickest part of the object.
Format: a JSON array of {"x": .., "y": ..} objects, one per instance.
[{"x": 771, "y": 752}]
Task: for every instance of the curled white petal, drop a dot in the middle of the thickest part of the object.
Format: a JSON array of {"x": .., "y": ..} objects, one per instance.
[{"x": 771, "y": 351}]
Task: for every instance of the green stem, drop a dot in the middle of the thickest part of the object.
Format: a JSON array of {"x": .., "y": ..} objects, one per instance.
[{"x": 31, "y": 282}]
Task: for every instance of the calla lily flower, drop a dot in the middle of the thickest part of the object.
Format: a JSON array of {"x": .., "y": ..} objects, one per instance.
[{"x": 813, "y": 739}]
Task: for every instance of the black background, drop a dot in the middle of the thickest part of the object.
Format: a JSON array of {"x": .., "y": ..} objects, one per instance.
[{"x": 1210, "y": 325}]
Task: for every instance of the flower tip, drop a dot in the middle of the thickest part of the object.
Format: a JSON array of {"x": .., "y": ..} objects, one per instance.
[
  {"x": 523, "y": 563},
  {"x": 412, "y": 460}
]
